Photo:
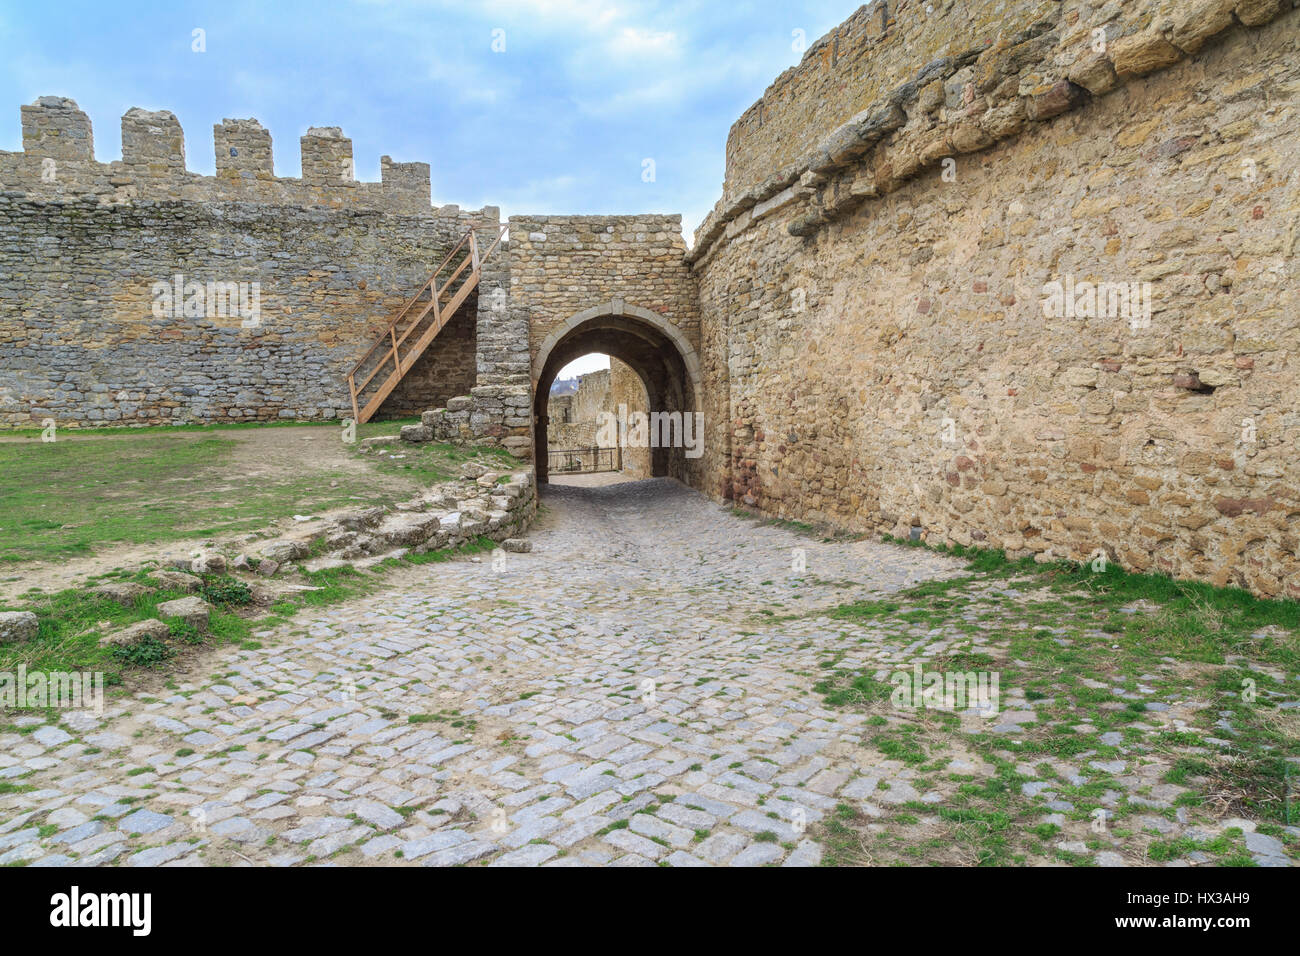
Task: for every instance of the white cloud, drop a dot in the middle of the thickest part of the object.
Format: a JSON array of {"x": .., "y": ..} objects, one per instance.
[{"x": 634, "y": 41}]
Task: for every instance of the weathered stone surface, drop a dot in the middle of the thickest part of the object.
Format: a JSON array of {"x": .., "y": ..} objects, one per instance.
[
  {"x": 360, "y": 520},
  {"x": 801, "y": 434},
  {"x": 17, "y": 626},
  {"x": 1094, "y": 73},
  {"x": 1255, "y": 13},
  {"x": 1063, "y": 96},
  {"x": 1202, "y": 20},
  {"x": 135, "y": 633},
  {"x": 282, "y": 550},
  {"x": 417, "y": 433},
  {"x": 176, "y": 580},
  {"x": 123, "y": 592},
  {"x": 192, "y": 610},
  {"x": 1142, "y": 53},
  {"x": 409, "y": 529},
  {"x": 208, "y": 563}
]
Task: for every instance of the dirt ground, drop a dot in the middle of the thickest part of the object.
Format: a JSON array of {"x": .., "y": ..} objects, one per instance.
[{"x": 261, "y": 455}]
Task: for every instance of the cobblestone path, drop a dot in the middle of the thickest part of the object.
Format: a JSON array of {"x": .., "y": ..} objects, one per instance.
[{"x": 636, "y": 691}]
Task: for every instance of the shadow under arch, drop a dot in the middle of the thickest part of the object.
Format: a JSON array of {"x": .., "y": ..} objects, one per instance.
[{"x": 654, "y": 349}]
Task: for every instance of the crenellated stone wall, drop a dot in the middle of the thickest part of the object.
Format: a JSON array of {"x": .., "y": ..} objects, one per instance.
[
  {"x": 57, "y": 162},
  {"x": 880, "y": 312},
  {"x": 324, "y": 262},
  {"x": 1017, "y": 273}
]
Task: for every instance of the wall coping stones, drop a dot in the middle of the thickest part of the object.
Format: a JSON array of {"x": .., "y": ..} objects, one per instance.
[{"x": 894, "y": 133}]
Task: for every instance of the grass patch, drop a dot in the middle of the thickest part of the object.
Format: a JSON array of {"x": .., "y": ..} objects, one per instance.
[{"x": 145, "y": 486}]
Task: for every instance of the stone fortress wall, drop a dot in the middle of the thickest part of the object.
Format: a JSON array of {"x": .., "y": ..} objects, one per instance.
[
  {"x": 872, "y": 283},
  {"x": 82, "y": 244},
  {"x": 561, "y": 265},
  {"x": 592, "y": 396},
  {"x": 567, "y": 269},
  {"x": 626, "y": 390}
]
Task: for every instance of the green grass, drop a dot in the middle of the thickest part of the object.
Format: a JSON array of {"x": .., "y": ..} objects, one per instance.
[
  {"x": 1079, "y": 645},
  {"x": 370, "y": 429},
  {"x": 72, "y": 497},
  {"x": 430, "y": 462}
]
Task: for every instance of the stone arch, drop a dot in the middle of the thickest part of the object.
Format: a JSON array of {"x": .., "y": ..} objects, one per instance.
[{"x": 652, "y": 347}]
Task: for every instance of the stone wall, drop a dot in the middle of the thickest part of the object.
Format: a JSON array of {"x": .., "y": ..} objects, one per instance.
[
  {"x": 592, "y": 396},
  {"x": 561, "y": 265},
  {"x": 57, "y": 161},
  {"x": 86, "y": 339},
  {"x": 569, "y": 274},
  {"x": 574, "y": 420},
  {"x": 626, "y": 389},
  {"x": 868, "y": 55},
  {"x": 444, "y": 371},
  {"x": 878, "y": 325}
]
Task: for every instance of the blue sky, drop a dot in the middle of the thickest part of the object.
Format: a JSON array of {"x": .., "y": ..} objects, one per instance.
[{"x": 559, "y": 122}]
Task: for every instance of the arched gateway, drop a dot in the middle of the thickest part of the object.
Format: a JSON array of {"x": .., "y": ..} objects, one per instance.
[{"x": 651, "y": 346}]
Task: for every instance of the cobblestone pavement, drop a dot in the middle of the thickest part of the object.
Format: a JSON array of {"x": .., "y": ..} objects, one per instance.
[{"x": 635, "y": 691}]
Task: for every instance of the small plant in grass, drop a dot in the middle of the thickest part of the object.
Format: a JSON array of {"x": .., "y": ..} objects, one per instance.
[
  {"x": 226, "y": 591},
  {"x": 149, "y": 651},
  {"x": 184, "y": 631}
]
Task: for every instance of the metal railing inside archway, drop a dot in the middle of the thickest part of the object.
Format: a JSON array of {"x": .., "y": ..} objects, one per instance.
[{"x": 583, "y": 461}]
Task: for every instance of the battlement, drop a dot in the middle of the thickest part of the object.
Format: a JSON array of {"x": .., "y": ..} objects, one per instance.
[{"x": 58, "y": 160}]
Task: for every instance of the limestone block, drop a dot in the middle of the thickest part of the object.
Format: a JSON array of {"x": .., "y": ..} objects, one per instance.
[
  {"x": 192, "y": 610},
  {"x": 282, "y": 550},
  {"x": 17, "y": 626},
  {"x": 1080, "y": 377},
  {"x": 1203, "y": 20},
  {"x": 416, "y": 433},
  {"x": 208, "y": 563},
  {"x": 1143, "y": 53},
  {"x": 176, "y": 581},
  {"x": 137, "y": 632},
  {"x": 1255, "y": 13},
  {"x": 123, "y": 592},
  {"x": 1094, "y": 73}
]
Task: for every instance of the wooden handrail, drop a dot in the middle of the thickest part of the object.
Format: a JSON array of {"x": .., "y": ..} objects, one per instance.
[
  {"x": 442, "y": 313},
  {"x": 397, "y": 316}
]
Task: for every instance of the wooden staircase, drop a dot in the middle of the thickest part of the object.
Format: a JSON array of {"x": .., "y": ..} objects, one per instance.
[{"x": 416, "y": 324}]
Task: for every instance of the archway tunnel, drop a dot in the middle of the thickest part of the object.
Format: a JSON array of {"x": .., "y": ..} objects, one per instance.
[{"x": 660, "y": 358}]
